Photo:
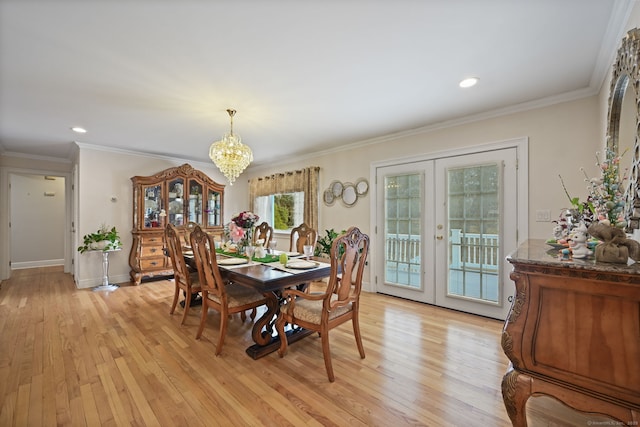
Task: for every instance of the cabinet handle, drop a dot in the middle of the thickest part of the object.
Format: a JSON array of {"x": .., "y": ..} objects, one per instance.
[
  {"x": 153, "y": 249},
  {"x": 510, "y": 299},
  {"x": 154, "y": 263}
]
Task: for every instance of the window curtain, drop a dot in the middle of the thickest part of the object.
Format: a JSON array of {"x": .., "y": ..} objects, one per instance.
[{"x": 305, "y": 180}]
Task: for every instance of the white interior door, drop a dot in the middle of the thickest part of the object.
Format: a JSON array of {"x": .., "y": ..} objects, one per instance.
[{"x": 444, "y": 227}]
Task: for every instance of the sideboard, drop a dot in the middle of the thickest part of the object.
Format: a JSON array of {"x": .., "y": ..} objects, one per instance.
[{"x": 572, "y": 333}]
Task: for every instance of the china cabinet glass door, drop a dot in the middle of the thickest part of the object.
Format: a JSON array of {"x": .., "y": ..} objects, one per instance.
[
  {"x": 152, "y": 206},
  {"x": 175, "y": 213},
  {"x": 194, "y": 210},
  {"x": 213, "y": 208}
]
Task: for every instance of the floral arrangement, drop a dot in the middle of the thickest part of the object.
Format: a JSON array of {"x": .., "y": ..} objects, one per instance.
[
  {"x": 606, "y": 193},
  {"x": 238, "y": 231},
  {"x": 245, "y": 219}
]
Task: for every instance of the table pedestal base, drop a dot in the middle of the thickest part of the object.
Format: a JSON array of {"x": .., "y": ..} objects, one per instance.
[{"x": 257, "y": 351}]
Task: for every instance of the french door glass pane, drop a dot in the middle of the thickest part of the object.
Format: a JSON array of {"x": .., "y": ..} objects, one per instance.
[
  {"x": 403, "y": 223},
  {"x": 474, "y": 225}
]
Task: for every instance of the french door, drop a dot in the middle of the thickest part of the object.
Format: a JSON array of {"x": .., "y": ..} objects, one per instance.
[{"x": 444, "y": 227}]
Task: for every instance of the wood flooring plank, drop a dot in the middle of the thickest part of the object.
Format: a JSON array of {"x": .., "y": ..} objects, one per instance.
[{"x": 76, "y": 357}]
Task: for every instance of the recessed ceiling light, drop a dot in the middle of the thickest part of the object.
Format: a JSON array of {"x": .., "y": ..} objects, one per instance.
[
  {"x": 78, "y": 129},
  {"x": 471, "y": 81}
]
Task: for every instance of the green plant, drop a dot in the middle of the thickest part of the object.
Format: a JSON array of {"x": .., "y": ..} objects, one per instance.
[
  {"x": 104, "y": 239},
  {"x": 324, "y": 243}
]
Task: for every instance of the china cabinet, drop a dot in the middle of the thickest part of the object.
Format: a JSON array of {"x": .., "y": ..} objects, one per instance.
[
  {"x": 573, "y": 333},
  {"x": 178, "y": 195}
]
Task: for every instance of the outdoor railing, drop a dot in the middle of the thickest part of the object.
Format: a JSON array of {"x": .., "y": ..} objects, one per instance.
[{"x": 468, "y": 250}]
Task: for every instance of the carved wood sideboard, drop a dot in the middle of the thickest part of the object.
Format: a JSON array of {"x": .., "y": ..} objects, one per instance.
[{"x": 573, "y": 333}]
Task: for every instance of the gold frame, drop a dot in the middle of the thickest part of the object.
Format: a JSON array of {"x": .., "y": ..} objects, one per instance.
[{"x": 626, "y": 74}]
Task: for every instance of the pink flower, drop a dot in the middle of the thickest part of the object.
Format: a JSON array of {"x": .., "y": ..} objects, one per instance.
[{"x": 236, "y": 233}]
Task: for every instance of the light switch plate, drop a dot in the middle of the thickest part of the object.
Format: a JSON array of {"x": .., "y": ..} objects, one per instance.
[{"x": 543, "y": 215}]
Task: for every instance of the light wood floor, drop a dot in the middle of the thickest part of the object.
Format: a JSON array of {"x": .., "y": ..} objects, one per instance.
[{"x": 75, "y": 357}]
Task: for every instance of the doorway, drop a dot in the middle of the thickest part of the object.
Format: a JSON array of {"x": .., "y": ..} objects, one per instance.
[
  {"x": 444, "y": 226},
  {"x": 35, "y": 217}
]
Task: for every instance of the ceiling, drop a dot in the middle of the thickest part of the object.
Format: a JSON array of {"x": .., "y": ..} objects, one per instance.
[{"x": 304, "y": 76}]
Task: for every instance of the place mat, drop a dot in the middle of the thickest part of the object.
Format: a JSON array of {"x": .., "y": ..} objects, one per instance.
[{"x": 232, "y": 261}]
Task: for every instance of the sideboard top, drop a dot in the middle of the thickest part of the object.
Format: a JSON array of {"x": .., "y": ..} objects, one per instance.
[{"x": 537, "y": 252}]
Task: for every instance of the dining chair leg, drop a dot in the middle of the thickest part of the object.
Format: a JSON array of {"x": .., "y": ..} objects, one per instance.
[
  {"x": 283, "y": 337},
  {"x": 187, "y": 304},
  {"x": 243, "y": 316},
  {"x": 326, "y": 352},
  {"x": 176, "y": 295},
  {"x": 356, "y": 333},
  {"x": 203, "y": 316},
  {"x": 224, "y": 319}
]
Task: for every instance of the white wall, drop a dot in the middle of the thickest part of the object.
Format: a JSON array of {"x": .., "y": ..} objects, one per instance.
[
  {"x": 37, "y": 221},
  {"x": 562, "y": 138}
]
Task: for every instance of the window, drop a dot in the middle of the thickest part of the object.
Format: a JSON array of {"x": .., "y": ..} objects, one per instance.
[
  {"x": 283, "y": 211},
  {"x": 286, "y": 200}
]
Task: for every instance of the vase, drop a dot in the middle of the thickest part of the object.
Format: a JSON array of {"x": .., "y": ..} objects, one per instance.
[{"x": 245, "y": 241}]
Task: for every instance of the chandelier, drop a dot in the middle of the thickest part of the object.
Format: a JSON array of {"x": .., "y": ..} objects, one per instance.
[{"x": 229, "y": 154}]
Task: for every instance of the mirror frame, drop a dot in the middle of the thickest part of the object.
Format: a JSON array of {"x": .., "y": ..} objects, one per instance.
[{"x": 626, "y": 75}]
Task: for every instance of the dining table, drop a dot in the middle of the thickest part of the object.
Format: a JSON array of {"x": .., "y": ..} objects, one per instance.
[{"x": 270, "y": 277}]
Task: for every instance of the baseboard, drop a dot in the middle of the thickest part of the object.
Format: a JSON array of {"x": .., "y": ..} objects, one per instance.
[{"x": 33, "y": 264}]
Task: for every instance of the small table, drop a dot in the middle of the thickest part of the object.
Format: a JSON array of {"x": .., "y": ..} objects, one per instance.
[{"x": 106, "y": 286}]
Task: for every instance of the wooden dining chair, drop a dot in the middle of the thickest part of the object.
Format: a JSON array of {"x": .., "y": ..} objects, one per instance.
[
  {"x": 263, "y": 232},
  {"x": 339, "y": 303},
  {"x": 302, "y": 235},
  {"x": 188, "y": 229},
  {"x": 184, "y": 279},
  {"x": 217, "y": 293}
]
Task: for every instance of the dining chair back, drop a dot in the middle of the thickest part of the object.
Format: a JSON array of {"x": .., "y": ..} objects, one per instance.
[
  {"x": 264, "y": 233},
  {"x": 302, "y": 235},
  {"x": 339, "y": 302},
  {"x": 217, "y": 293},
  {"x": 187, "y": 230},
  {"x": 184, "y": 279}
]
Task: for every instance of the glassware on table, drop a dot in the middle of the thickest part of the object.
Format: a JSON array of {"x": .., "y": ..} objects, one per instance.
[
  {"x": 272, "y": 246},
  {"x": 249, "y": 251},
  {"x": 308, "y": 251}
]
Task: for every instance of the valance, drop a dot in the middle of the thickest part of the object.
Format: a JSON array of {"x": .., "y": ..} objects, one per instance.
[{"x": 305, "y": 180}]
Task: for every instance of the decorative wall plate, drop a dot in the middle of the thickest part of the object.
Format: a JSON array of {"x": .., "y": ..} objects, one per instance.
[{"x": 362, "y": 186}]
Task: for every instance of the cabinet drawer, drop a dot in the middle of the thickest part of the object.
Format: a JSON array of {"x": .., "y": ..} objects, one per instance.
[
  {"x": 152, "y": 263},
  {"x": 151, "y": 251},
  {"x": 151, "y": 240}
]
